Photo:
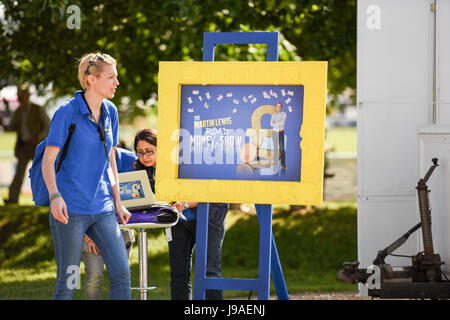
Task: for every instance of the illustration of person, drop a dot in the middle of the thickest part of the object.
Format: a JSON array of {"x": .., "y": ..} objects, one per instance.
[
  {"x": 137, "y": 193},
  {"x": 277, "y": 122}
]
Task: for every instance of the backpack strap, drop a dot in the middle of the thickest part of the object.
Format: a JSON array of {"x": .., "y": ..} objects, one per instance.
[
  {"x": 66, "y": 145},
  {"x": 72, "y": 128}
]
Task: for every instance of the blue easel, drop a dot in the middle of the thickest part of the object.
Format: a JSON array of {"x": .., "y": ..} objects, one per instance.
[{"x": 269, "y": 261}]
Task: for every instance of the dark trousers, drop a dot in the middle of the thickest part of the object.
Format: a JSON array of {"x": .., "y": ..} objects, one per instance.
[
  {"x": 278, "y": 143},
  {"x": 181, "y": 248}
]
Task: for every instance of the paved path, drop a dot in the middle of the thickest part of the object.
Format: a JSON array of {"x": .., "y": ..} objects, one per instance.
[
  {"x": 7, "y": 170},
  {"x": 343, "y": 186},
  {"x": 314, "y": 296},
  {"x": 328, "y": 296}
]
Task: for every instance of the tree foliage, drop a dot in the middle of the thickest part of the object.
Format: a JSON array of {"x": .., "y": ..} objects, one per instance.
[{"x": 37, "y": 45}]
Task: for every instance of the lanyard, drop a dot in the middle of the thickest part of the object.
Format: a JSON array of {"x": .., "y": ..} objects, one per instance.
[{"x": 101, "y": 133}]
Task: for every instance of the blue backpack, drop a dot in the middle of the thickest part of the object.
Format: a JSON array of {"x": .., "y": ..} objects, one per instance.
[{"x": 38, "y": 187}]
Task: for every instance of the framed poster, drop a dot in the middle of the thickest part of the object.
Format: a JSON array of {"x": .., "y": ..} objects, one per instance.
[{"x": 243, "y": 132}]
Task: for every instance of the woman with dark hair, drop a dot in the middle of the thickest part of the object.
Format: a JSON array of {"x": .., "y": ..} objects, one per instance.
[
  {"x": 145, "y": 143},
  {"x": 183, "y": 235}
]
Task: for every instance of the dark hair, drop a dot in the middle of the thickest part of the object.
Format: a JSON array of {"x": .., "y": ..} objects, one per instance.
[
  {"x": 148, "y": 135},
  {"x": 279, "y": 103}
]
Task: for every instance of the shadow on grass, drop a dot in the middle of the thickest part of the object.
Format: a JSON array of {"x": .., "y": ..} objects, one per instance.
[
  {"x": 315, "y": 241},
  {"x": 311, "y": 247},
  {"x": 27, "y": 290},
  {"x": 42, "y": 289},
  {"x": 25, "y": 238}
]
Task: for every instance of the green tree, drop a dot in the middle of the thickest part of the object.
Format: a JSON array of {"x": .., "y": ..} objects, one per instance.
[{"x": 37, "y": 44}]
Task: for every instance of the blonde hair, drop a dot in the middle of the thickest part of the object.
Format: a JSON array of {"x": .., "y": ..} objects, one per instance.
[{"x": 92, "y": 63}]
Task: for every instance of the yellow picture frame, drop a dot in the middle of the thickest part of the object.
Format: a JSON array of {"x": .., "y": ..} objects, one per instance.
[{"x": 308, "y": 191}]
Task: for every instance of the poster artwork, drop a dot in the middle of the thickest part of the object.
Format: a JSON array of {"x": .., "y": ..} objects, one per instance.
[
  {"x": 241, "y": 132},
  {"x": 131, "y": 190}
]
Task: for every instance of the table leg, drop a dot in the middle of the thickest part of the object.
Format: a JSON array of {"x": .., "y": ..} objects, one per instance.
[
  {"x": 143, "y": 264},
  {"x": 143, "y": 268}
]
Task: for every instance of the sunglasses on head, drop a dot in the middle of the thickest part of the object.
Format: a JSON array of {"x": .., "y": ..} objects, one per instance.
[{"x": 98, "y": 56}]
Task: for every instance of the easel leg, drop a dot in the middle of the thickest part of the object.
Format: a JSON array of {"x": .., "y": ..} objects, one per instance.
[
  {"x": 277, "y": 274},
  {"x": 276, "y": 271},
  {"x": 268, "y": 256}
]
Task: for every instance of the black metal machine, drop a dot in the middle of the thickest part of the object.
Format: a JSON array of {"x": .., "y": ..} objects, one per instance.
[{"x": 423, "y": 279}]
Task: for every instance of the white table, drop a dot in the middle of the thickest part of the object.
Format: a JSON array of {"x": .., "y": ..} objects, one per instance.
[{"x": 143, "y": 252}]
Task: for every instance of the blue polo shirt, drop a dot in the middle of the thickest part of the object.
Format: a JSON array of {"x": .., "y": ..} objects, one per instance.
[
  {"x": 125, "y": 160},
  {"x": 83, "y": 179}
]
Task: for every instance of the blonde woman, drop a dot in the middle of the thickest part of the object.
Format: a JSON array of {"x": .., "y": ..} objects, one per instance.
[{"x": 84, "y": 195}]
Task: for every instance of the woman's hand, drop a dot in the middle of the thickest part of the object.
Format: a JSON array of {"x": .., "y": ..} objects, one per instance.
[
  {"x": 122, "y": 212},
  {"x": 58, "y": 209},
  {"x": 179, "y": 206},
  {"x": 91, "y": 245}
]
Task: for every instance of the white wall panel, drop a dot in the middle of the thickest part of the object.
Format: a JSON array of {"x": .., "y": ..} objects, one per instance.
[
  {"x": 443, "y": 60},
  {"x": 394, "y": 91},
  {"x": 394, "y": 94},
  {"x": 387, "y": 148},
  {"x": 384, "y": 220},
  {"x": 394, "y": 56}
]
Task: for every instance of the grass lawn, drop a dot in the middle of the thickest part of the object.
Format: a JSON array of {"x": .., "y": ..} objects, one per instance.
[{"x": 311, "y": 246}]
